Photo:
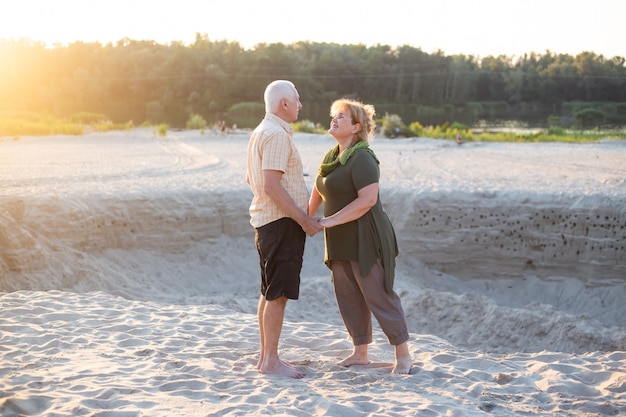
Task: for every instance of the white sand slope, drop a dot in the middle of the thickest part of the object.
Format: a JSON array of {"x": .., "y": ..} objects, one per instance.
[
  {"x": 129, "y": 282},
  {"x": 95, "y": 354}
]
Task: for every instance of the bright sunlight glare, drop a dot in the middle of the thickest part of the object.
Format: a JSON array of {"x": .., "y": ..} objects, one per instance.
[{"x": 481, "y": 27}]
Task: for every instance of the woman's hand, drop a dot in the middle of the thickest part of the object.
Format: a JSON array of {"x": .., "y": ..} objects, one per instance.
[{"x": 326, "y": 222}]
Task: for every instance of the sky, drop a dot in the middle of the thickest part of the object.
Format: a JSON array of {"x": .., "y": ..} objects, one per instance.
[{"x": 479, "y": 27}]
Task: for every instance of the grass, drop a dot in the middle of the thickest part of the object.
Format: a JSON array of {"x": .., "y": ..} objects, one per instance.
[
  {"x": 160, "y": 129},
  {"x": 552, "y": 134},
  {"x": 34, "y": 124},
  {"x": 16, "y": 124},
  {"x": 567, "y": 136},
  {"x": 41, "y": 127}
]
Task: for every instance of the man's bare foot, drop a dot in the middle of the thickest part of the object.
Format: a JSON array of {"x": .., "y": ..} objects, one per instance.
[
  {"x": 259, "y": 364},
  {"x": 282, "y": 369},
  {"x": 354, "y": 359},
  {"x": 403, "y": 365}
]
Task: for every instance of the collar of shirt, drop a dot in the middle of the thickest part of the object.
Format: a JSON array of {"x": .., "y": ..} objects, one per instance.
[{"x": 271, "y": 116}]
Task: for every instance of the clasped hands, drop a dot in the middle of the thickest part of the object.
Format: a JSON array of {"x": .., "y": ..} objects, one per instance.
[{"x": 316, "y": 224}]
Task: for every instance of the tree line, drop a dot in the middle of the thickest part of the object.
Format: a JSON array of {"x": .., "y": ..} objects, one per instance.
[{"x": 143, "y": 80}]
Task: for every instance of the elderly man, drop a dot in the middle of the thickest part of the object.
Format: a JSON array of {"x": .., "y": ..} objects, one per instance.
[{"x": 278, "y": 213}]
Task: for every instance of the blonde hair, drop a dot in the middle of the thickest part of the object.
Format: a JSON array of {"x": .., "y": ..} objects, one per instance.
[
  {"x": 360, "y": 113},
  {"x": 275, "y": 92}
]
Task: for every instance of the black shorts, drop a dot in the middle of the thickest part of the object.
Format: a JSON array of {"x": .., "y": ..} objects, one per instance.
[{"x": 280, "y": 245}]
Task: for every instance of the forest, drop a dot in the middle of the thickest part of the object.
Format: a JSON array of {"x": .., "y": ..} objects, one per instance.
[{"x": 142, "y": 81}]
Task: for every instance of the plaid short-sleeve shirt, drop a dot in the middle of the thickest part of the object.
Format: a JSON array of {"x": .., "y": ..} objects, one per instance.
[{"x": 271, "y": 147}]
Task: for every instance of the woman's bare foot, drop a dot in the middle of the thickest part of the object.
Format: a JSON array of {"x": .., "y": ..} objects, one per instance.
[
  {"x": 351, "y": 360},
  {"x": 403, "y": 366},
  {"x": 403, "y": 359},
  {"x": 358, "y": 357}
]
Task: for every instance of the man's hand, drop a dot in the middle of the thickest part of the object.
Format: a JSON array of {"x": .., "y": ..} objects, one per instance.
[
  {"x": 311, "y": 226},
  {"x": 279, "y": 195}
]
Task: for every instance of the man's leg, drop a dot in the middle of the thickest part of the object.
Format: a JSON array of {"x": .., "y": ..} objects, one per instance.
[
  {"x": 260, "y": 311},
  {"x": 272, "y": 327}
]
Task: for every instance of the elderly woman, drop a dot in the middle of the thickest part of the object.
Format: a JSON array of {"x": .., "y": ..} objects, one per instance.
[{"x": 359, "y": 238}]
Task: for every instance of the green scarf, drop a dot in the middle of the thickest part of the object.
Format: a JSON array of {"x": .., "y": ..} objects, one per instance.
[{"x": 333, "y": 159}]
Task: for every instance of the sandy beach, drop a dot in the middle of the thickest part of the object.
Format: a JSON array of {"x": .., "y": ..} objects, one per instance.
[{"x": 129, "y": 282}]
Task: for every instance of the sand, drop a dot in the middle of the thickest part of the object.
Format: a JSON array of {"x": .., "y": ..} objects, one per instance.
[{"x": 129, "y": 282}]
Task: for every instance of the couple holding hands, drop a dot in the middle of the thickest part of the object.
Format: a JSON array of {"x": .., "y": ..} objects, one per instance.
[{"x": 360, "y": 242}]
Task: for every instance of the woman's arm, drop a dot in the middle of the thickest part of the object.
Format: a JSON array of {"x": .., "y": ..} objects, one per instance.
[
  {"x": 366, "y": 198},
  {"x": 315, "y": 201}
]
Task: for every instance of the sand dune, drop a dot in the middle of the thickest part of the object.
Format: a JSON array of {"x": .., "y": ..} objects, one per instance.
[{"x": 129, "y": 281}]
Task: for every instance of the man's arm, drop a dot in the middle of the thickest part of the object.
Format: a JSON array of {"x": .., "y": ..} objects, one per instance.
[{"x": 274, "y": 189}]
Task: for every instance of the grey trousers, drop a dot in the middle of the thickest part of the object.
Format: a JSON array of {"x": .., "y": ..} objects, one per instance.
[{"x": 359, "y": 297}]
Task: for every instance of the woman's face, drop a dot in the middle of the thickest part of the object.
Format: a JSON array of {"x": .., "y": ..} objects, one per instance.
[{"x": 341, "y": 125}]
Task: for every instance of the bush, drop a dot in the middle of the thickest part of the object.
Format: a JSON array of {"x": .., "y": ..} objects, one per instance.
[
  {"x": 246, "y": 114},
  {"x": 556, "y": 130},
  {"x": 405, "y": 131},
  {"x": 196, "y": 121},
  {"x": 417, "y": 129},
  {"x": 392, "y": 125},
  {"x": 161, "y": 129},
  {"x": 554, "y": 121},
  {"x": 307, "y": 126},
  {"x": 458, "y": 126},
  {"x": 589, "y": 117}
]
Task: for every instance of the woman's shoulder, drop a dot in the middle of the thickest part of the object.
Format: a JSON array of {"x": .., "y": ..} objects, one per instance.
[{"x": 364, "y": 156}]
